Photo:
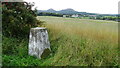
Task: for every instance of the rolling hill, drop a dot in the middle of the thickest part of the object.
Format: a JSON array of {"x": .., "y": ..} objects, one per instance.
[
  {"x": 66, "y": 11},
  {"x": 72, "y": 11}
]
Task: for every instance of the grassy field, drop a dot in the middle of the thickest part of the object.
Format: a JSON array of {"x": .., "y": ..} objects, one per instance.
[
  {"x": 74, "y": 42},
  {"x": 82, "y": 42},
  {"x": 97, "y": 29}
]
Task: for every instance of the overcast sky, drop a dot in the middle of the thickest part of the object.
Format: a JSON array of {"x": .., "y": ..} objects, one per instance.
[{"x": 92, "y": 6}]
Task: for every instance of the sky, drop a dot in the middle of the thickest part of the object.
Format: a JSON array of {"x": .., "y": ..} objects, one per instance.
[{"x": 92, "y": 6}]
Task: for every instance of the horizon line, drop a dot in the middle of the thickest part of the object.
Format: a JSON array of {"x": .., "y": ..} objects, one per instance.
[{"x": 80, "y": 11}]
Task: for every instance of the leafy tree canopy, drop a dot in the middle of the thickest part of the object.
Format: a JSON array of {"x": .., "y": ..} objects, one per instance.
[{"x": 18, "y": 18}]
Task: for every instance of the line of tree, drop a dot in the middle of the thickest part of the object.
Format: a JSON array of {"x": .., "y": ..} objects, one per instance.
[
  {"x": 49, "y": 14},
  {"x": 113, "y": 18}
]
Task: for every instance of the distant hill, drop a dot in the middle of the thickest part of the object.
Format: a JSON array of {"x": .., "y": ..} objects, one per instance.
[
  {"x": 65, "y": 11},
  {"x": 49, "y": 10},
  {"x": 72, "y": 11}
]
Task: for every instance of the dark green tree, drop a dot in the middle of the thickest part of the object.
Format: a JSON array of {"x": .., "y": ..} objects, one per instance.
[{"x": 18, "y": 18}]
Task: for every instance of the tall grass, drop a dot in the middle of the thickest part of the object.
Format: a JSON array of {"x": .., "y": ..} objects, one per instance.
[
  {"x": 82, "y": 42},
  {"x": 99, "y": 30}
]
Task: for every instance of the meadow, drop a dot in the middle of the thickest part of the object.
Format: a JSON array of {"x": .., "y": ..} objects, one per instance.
[
  {"x": 82, "y": 42},
  {"x": 74, "y": 42}
]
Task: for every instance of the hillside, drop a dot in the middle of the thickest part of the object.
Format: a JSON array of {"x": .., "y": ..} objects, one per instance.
[
  {"x": 72, "y": 11},
  {"x": 64, "y": 11}
]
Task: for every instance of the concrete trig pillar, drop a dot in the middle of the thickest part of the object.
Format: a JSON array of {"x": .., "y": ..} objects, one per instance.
[{"x": 39, "y": 42}]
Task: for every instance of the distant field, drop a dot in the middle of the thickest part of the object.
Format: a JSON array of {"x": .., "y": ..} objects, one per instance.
[
  {"x": 97, "y": 29},
  {"x": 82, "y": 42}
]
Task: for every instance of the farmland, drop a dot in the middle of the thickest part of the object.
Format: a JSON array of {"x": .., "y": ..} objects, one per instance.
[
  {"x": 97, "y": 29},
  {"x": 82, "y": 42}
]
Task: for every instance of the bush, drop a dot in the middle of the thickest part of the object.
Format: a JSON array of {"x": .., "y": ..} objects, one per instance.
[{"x": 18, "y": 18}]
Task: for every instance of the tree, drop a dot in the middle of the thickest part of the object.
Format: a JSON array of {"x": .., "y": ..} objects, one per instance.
[{"x": 18, "y": 18}]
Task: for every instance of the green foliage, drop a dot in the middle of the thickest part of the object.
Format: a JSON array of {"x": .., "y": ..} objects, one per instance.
[
  {"x": 18, "y": 18},
  {"x": 15, "y": 53},
  {"x": 12, "y": 46},
  {"x": 12, "y": 60}
]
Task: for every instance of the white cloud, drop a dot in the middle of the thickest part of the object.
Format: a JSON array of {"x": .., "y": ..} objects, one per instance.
[{"x": 93, "y": 6}]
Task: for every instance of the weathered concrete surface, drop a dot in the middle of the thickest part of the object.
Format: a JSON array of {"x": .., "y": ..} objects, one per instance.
[{"x": 38, "y": 42}]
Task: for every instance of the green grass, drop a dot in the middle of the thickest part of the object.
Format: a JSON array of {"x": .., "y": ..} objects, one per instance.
[
  {"x": 74, "y": 42},
  {"x": 15, "y": 53}
]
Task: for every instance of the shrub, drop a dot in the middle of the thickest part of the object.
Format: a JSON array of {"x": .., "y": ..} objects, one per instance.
[{"x": 18, "y": 18}]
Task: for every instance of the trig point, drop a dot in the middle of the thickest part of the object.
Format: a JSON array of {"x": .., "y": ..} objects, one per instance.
[{"x": 39, "y": 42}]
